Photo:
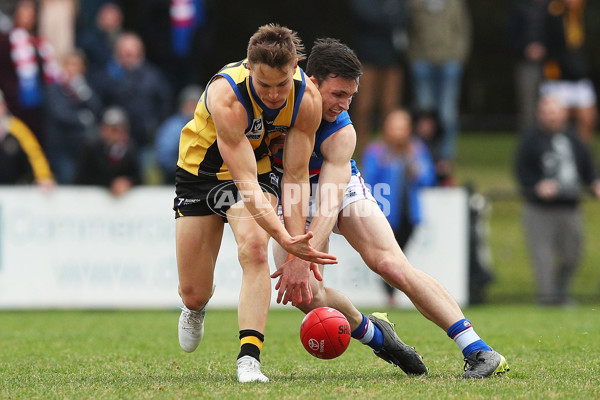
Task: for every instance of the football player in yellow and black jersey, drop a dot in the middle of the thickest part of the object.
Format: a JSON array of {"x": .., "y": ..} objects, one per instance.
[{"x": 224, "y": 175}]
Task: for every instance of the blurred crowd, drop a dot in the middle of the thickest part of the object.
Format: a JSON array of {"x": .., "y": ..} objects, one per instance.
[
  {"x": 96, "y": 110},
  {"x": 424, "y": 45},
  {"x": 85, "y": 101},
  {"x": 63, "y": 63}
]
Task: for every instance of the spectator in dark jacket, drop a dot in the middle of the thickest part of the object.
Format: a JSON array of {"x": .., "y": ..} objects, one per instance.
[
  {"x": 139, "y": 87},
  {"x": 552, "y": 165},
  {"x": 110, "y": 160},
  {"x": 98, "y": 41},
  {"x": 72, "y": 110},
  {"x": 179, "y": 37}
]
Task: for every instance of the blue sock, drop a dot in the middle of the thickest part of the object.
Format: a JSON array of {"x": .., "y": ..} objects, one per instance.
[
  {"x": 369, "y": 334},
  {"x": 464, "y": 335}
]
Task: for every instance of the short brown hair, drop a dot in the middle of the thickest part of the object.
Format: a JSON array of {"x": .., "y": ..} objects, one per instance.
[
  {"x": 275, "y": 45},
  {"x": 330, "y": 57}
]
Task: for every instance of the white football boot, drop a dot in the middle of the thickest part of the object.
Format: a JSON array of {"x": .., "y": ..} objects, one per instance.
[
  {"x": 191, "y": 328},
  {"x": 248, "y": 370}
]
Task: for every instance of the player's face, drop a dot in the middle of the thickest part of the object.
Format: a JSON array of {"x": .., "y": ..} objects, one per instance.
[
  {"x": 337, "y": 95},
  {"x": 272, "y": 85}
]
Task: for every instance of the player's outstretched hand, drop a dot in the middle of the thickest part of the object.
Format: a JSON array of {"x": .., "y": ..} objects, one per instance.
[
  {"x": 294, "y": 281},
  {"x": 300, "y": 247}
]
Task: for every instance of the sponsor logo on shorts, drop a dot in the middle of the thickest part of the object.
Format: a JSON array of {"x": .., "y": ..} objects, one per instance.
[{"x": 184, "y": 202}]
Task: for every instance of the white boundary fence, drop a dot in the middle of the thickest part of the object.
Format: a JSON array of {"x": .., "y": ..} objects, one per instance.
[{"x": 79, "y": 247}]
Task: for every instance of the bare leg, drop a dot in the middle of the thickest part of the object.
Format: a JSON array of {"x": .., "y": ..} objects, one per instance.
[
  {"x": 373, "y": 238},
  {"x": 255, "y": 293},
  {"x": 198, "y": 240}
]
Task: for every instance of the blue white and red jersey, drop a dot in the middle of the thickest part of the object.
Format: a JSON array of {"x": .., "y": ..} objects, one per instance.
[{"x": 326, "y": 129}]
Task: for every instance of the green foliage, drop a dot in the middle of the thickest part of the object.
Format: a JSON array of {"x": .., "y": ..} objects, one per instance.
[{"x": 135, "y": 355}]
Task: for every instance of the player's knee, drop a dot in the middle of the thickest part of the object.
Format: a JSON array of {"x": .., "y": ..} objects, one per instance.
[
  {"x": 252, "y": 252},
  {"x": 193, "y": 298},
  {"x": 395, "y": 272}
]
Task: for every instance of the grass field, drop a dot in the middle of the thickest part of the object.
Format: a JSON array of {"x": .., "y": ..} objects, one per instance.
[{"x": 554, "y": 353}]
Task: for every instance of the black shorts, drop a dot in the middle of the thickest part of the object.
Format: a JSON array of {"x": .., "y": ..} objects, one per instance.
[{"x": 198, "y": 196}]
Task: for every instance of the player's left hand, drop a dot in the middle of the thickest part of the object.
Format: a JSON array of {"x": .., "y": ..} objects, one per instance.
[
  {"x": 294, "y": 281},
  {"x": 299, "y": 246}
]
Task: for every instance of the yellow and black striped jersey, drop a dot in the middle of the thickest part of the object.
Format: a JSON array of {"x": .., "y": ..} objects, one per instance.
[{"x": 198, "y": 150}]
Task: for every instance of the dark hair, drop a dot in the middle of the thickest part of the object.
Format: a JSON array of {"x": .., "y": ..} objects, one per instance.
[
  {"x": 331, "y": 57},
  {"x": 434, "y": 142},
  {"x": 275, "y": 45},
  {"x": 428, "y": 113}
]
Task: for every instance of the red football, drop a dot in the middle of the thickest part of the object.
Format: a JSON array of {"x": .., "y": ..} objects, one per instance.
[{"x": 325, "y": 333}]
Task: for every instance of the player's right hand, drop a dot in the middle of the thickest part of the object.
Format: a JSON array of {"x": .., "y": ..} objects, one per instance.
[{"x": 294, "y": 281}]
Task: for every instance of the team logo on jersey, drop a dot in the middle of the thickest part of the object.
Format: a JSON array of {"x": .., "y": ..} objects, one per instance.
[{"x": 256, "y": 129}]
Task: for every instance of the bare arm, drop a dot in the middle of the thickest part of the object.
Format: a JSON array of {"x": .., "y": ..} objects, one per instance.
[
  {"x": 299, "y": 144},
  {"x": 230, "y": 121},
  {"x": 333, "y": 179},
  {"x": 294, "y": 279}
]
